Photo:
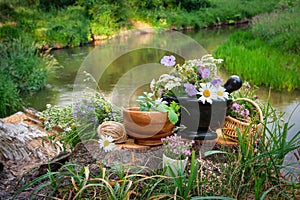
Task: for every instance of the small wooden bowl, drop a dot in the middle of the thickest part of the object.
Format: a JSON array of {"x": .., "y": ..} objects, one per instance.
[{"x": 147, "y": 128}]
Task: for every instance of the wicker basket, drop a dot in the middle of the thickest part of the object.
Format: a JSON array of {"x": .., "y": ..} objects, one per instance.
[{"x": 231, "y": 124}]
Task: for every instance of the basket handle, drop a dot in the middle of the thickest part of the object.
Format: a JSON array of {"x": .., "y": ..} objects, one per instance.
[{"x": 255, "y": 105}]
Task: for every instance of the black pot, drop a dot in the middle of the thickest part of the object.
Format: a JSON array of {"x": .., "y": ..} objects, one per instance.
[{"x": 201, "y": 120}]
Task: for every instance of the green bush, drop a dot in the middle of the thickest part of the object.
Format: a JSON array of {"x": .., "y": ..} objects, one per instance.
[
  {"x": 22, "y": 69},
  {"x": 10, "y": 100},
  {"x": 72, "y": 22},
  {"x": 187, "y": 5},
  {"x": 22, "y": 63},
  {"x": 48, "y": 4},
  {"x": 64, "y": 27},
  {"x": 106, "y": 16}
]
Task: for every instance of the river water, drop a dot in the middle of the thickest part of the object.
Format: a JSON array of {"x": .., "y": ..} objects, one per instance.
[{"x": 60, "y": 88}]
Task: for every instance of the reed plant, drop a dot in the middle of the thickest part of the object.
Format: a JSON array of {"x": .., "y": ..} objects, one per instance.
[
  {"x": 268, "y": 53},
  {"x": 260, "y": 64}
]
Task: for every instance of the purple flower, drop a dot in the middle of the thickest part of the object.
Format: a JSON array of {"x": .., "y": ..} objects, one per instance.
[
  {"x": 168, "y": 61},
  {"x": 204, "y": 72},
  {"x": 175, "y": 147},
  {"x": 190, "y": 89},
  {"x": 75, "y": 114},
  {"x": 216, "y": 82},
  {"x": 244, "y": 113},
  {"x": 236, "y": 106},
  {"x": 247, "y": 113}
]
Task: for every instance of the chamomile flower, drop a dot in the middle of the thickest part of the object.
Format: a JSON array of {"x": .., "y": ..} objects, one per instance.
[
  {"x": 68, "y": 129},
  {"x": 207, "y": 93},
  {"x": 221, "y": 93},
  {"x": 106, "y": 142}
]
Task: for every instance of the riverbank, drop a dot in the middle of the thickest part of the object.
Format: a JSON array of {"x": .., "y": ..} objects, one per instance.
[{"x": 73, "y": 23}]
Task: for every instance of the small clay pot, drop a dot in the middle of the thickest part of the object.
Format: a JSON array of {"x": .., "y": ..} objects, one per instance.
[{"x": 147, "y": 128}]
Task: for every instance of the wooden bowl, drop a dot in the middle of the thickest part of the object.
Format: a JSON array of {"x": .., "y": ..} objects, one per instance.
[{"x": 147, "y": 128}]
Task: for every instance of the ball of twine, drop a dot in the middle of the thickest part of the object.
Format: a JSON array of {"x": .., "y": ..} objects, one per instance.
[{"x": 114, "y": 129}]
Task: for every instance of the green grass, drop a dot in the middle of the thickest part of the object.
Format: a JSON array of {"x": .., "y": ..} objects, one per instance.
[
  {"x": 10, "y": 100},
  {"x": 255, "y": 61},
  {"x": 268, "y": 53}
]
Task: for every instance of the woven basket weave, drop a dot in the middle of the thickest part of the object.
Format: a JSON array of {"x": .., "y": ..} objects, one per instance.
[{"x": 231, "y": 124}]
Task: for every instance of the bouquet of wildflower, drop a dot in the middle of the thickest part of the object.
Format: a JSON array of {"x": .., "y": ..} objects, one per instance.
[
  {"x": 176, "y": 148},
  {"x": 197, "y": 77}
]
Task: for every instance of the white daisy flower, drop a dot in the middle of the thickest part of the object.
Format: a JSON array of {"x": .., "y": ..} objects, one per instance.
[
  {"x": 221, "y": 93},
  {"x": 207, "y": 93},
  {"x": 68, "y": 129},
  {"x": 106, "y": 142}
]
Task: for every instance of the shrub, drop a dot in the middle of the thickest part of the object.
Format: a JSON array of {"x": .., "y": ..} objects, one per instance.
[
  {"x": 48, "y": 4},
  {"x": 21, "y": 61},
  {"x": 65, "y": 27},
  {"x": 10, "y": 100},
  {"x": 106, "y": 16},
  {"x": 23, "y": 69}
]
